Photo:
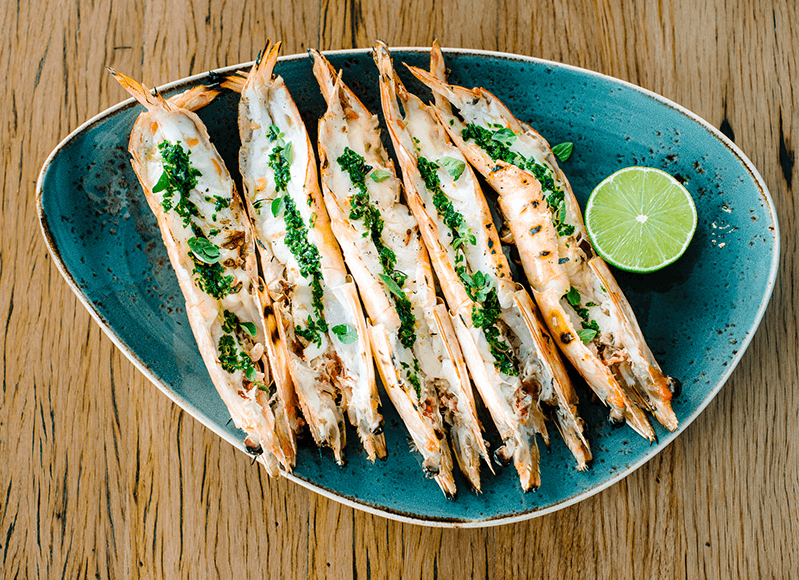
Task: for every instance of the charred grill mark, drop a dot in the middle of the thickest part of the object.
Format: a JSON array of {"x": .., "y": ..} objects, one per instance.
[{"x": 235, "y": 240}]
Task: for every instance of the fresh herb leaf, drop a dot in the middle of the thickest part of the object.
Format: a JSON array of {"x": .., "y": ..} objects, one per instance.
[
  {"x": 345, "y": 333},
  {"x": 288, "y": 153},
  {"x": 250, "y": 373},
  {"x": 361, "y": 208},
  {"x": 391, "y": 285},
  {"x": 220, "y": 202},
  {"x": 504, "y": 136},
  {"x": 573, "y": 296},
  {"x": 204, "y": 250},
  {"x": 278, "y": 205},
  {"x": 274, "y": 134},
  {"x": 563, "y": 150},
  {"x": 249, "y": 327},
  {"x": 587, "y": 335},
  {"x": 162, "y": 184},
  {"x": 379, "y": 175},
  {"x": 453, "y": 166}
]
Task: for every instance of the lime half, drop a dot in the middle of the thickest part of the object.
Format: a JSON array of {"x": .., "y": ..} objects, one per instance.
[{"x": 640, "y": 219}]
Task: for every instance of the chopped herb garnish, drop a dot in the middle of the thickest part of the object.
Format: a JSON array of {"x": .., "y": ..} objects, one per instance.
[
  {"x": 280, "y": 158},
  {"x": 231, "y": 357},
  {"x": 179, "y": 177},
  {"x": 499, "y": 148},
  {"x": 212, "y": 280},
  {"x": 361, "y": 208},
  {"x": 412, "y": 375},
  {"x": 306, "y": 254},
  {"x": 314, "y": 331},
  {"x": 345, "y": 333},
  {"x": 590, "y": 328},
  {"x": 220, "y": 202},
  {"x": 563, "y": 150},
  {"x": 479, "y": 287}
]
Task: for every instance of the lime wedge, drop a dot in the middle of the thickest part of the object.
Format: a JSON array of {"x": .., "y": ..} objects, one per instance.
[{"x": 640, "y": 219}]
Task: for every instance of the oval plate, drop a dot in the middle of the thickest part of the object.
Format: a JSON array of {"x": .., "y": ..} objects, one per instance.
[{"x": 698, "y": 315}]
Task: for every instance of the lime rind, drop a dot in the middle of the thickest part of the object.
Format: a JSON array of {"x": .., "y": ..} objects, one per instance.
[{"x": 661, "y": 239}]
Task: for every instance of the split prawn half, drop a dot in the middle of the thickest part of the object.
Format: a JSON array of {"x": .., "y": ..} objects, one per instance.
[
  {"x": 320, "y": 320},
  {"x": 513, "y": 361},
  {"x": 414, "y": 344},
  {"x": 581, "y": 302},
  {"x": 200, "y": 217}
]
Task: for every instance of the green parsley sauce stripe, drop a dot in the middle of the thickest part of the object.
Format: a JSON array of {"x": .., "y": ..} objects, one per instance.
[
  {"x": 361, "y": 208},
  {"x": 180, "y": 178},
  {"x": 497, "y": 144},
  {"x": 296, "y": 239},
  {"x": 486, "y": 309}
]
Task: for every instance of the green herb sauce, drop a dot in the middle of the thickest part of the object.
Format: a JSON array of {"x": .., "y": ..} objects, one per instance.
[
  {"x": 497, "y": 145},
  {"x": 479, "y": 287},
  {"x": 180, "y": 178},
  {"x": 306, "y": 253},
  {"x": 231, "y": 356},
  {"x": 361, "y": 208}
]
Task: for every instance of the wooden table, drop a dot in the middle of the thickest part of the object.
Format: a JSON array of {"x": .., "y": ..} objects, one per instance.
[{"x": 102, "y": 476}]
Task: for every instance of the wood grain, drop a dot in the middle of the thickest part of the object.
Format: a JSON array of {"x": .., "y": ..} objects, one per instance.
[{"x": 104, "y": 477}]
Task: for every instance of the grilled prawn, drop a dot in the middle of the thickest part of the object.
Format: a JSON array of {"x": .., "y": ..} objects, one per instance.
[
  {"x": 580, "y": 300},
  {"x": 413, "y": 341},
  {"x": 194, "y": 201},
  {"x": 321, "y": 322},
  {"x": 513, "y": 362}
]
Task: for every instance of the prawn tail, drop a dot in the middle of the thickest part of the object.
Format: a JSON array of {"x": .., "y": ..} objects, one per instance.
[
  {"x": 153, "y": 101},
  {"x": 439, "y": 70},
  {"x": 195, "y": 98},
  {"x": 261, "y": 72},
  {"x": 325, "y": 74}
]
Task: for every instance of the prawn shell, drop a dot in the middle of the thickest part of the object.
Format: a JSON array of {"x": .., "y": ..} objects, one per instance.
[{"x": 254, "y": 414}]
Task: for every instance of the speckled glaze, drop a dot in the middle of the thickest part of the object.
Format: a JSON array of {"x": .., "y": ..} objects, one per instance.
[{"x": 698, "y": 314}]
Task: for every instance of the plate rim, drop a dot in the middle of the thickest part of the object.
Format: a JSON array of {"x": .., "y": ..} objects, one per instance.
[{"x": 442, "y": 522}]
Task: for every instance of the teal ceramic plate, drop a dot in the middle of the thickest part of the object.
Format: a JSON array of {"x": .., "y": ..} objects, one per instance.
[{"x": 698, "y": 314}]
